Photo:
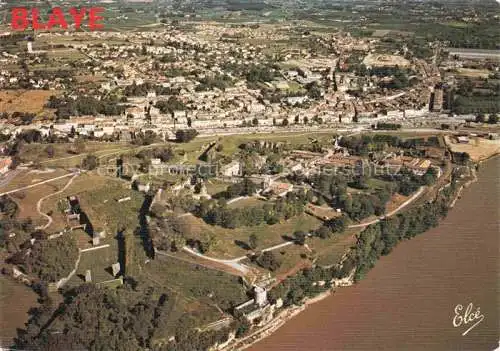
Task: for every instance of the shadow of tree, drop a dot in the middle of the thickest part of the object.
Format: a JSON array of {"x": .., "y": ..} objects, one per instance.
[{"x": 242, "y": 244}]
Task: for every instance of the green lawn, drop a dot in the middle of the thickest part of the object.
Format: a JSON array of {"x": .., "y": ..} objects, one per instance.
[
  {"x": 62, "y": 158},
  {"x": 195, "y": 283},
  {"x": 330, "y": 251},
  {"x": 25, "y": 178},
  {"x": 376, "y": 184},
  {"x": 99, "y": 263},
  {"x": 215, "y": 186},
  {"x": 98, "y": 199},
  {"x": 230, "y": 143},
  {"x": 226, "y": 246},
  {"x": 248, "y": 202}
]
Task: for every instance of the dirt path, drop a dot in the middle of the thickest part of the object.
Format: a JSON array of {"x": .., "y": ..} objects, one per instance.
[
  {"x": 39, "y": 203},
  {"x": 207, "y": 263},
  {"x": 235, "y": 262},
  {"x": 36, "y": 184},
  {"x": 393, "y": 212}
]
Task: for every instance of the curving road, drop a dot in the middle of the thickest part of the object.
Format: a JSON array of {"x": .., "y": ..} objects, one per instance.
[
  {"x": 235, "y": 262},
  {"x": 39, "y": 203},
  {"x": 36, "y": 184},
  {"x": 393, "y": 212}
]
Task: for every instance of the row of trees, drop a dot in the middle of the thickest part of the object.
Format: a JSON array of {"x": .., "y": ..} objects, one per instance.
[
  {"x": 388, "y": 126},
  {"x": 363, "y": 145},
  {"x": 476, "y": 104},
  {"x": 492, "y": 119},
  {"x": 95, "y": 318}
]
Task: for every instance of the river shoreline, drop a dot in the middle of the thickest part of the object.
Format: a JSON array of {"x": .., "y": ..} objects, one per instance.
[
  {"x": 289, "y": 313},
  {"x": 277, "y": 322}
]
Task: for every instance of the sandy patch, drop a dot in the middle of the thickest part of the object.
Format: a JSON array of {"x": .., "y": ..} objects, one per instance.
[
  {"x": 379, "y": 60},
  {"x": 478, "y": 148},
  {"x": 474, "y": 73}
]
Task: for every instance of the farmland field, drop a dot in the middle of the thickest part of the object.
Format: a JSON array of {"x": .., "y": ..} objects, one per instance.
[{"x": 32, "y": 101}]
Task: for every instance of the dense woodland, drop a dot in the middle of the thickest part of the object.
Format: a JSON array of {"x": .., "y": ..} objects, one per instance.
[
  {"x": 127, "y": 318},
  {"x": 51, "y": 260}
]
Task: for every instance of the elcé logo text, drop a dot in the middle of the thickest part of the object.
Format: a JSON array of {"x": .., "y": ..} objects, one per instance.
[{"x": 22, "y": 18}]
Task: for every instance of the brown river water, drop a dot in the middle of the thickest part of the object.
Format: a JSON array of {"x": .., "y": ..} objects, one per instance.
[{"x": 408, "y": 301}]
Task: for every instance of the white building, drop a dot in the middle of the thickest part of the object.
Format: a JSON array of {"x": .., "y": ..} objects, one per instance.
[
  {"x": 260, "y": 296},
  {"x": 5, "y": 163},
  {"x": 232, "y": 169}
]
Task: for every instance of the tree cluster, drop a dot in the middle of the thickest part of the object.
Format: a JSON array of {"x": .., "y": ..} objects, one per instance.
[
  {"x": 147, "y": 137},
  {"x": 90, "y": 162},
  {"x": 244, "y": 188},
  {"x": 52, "y": 259},
  {"x": 167, "y": 231},
  {"x": 269, "y": 260},
  {"x": 84, "y": 105},
  {"x": 8, "y": 207},
  {"x": 219, "y": 81},
  {"x": 376, "y": 240},
  {"x": 363, "y": 145},
  {"x": 185, "y": 135},
  {"x": 165, "y": 154},
  {"x": 95, "y": 318},
  {"x": 217, "y": 213},
  {"x": 170, "y": 105}
]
